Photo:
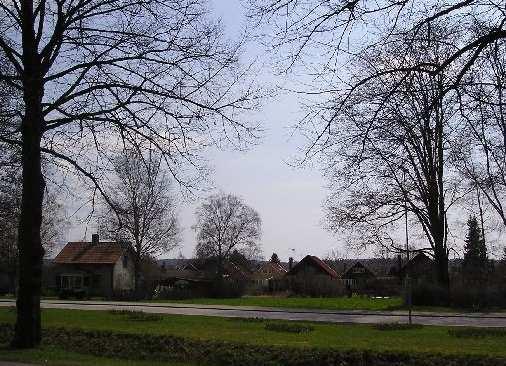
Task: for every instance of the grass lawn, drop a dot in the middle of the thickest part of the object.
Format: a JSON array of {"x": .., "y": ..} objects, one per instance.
[
  {"x": 337, "y": 303},
  {"x": 428, "y": 339},
  {"x": 49, "y": 355}
]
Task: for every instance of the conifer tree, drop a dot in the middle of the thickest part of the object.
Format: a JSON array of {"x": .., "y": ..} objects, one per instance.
[{"x": 475, "y": 252}]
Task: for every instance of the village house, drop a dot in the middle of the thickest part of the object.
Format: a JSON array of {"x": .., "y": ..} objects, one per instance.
[
  {"x": 84, "y": 269},
  {"x": 266, "y": 276},
  {"x": 313, "y": 277}
]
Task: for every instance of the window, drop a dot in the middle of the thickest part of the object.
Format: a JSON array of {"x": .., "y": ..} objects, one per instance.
[
  {"x": 70, "y": 282},
  {"x": 125, "y": 261}
]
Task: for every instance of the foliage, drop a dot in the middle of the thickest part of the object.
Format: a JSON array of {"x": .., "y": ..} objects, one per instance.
[
  {"x": 462, "y": 295},
  {"x": 315, "y": 286},
  {"x": 289, "y": 327},
  {"x": 227, "y": 288},
  {"x": 275, "y": 258},
  {"x": 475, "y": 265}
]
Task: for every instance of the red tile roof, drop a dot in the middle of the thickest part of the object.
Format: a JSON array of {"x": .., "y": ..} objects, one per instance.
[{"x": 87, "y": 253}]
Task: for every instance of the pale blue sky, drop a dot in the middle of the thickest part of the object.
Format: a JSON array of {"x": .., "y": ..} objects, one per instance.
[{"x": 288, "y": 199}]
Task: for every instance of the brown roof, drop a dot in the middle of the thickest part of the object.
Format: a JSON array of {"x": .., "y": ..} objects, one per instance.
[
  {"x": 87, "y": 253},
  {"x": 317, "y": 262}
]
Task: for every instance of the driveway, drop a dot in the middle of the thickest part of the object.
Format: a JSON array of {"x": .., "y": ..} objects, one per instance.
[{"x": 351, "y": 316}]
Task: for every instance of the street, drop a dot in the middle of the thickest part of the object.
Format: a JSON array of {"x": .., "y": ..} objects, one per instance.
[{"x": 348, "y": 316}]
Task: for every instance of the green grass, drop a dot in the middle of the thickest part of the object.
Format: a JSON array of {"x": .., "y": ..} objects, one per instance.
[
  {"x": 337, "y": 303},
  {"x": 54, "y": 356},
  {"x": 428, "y": 339}
]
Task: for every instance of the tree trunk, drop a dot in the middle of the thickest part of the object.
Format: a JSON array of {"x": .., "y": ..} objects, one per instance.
[
  {"x": 137, "y": 273},
  {"x": 31, "y": 253},
  {"x": 28, "y": 327},
  {"x": 441, "y": 263}
]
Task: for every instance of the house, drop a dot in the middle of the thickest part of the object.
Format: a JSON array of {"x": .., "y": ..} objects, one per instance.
[
  {"x": 313, "y": 277},
  {"x": 419, "y": 267},
  {"x": 95, "y": 268},
  {"x": 312, "y": 266},
  {"x": 267, "y": 276}
]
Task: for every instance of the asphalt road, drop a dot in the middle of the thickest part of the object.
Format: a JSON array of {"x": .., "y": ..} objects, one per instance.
[{"x": 352, "y": 316}]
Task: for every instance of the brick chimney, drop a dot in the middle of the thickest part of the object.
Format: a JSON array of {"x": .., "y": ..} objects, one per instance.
[
  {"x": 95, "y": 239},
  {"x": 290, "y": 263}
]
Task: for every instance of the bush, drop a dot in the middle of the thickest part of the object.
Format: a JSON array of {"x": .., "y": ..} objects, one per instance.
[
  {"x": 166, "y": 348},
  {"x": 137, "y": 315},
  {"x": 227, "y": 289},
  {"x": 429, "y": 294},
  {"x": 477, "y": 332},
  {"x": 247, "y": 320},
  {"x": 315, "y": 286},
  {"x": 289, "y": 327},
  {"x": 396, "y": 326},
  {"x": 461, "y": 295}
]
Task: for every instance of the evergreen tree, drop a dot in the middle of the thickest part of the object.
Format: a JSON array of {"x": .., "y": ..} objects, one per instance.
[
  {"x": 475, "y": 251},
  {"x": 275, "y": 258}
]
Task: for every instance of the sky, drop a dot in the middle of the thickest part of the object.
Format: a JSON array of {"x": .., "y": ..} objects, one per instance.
[{"x": 289, "y": 199}]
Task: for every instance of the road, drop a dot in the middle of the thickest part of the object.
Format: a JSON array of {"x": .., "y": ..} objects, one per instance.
[{"x": 350, "y": 316}]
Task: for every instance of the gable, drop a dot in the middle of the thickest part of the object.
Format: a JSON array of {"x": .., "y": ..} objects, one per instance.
[
  {"x": 88, "y": 253},
  {"x": 315, "y": 263},
  {"x": 358, "y": 270}
]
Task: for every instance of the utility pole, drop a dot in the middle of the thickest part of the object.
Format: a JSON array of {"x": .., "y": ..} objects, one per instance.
[{"x": 407, "y": 279}]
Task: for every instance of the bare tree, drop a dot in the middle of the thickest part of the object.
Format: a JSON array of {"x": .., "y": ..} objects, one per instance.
[
  {"x": 53, "y": 224},
  {"x": 334, "y": 28},
  {"x": 480, "y": 152},
  {"x": 225, "y": 223},
  {"x": 92, "y": 74},
  {"x": 391, "y": 165},
  {"x": 144, "y": 209},
  {"x": 389, "y": 152}
]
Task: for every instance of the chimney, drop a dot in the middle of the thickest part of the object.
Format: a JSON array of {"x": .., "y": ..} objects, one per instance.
[
  {"x": 290, "y": 263},
  {"x": 95, "y": 239}
]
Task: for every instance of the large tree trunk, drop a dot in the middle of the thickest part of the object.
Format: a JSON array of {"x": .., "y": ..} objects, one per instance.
[
  {"x": 28, "y": 327},
  {"x": 31, "y": 253}
]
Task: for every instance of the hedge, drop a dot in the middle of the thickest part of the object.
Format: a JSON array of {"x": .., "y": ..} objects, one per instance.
[{"x": 171, "y": 348}]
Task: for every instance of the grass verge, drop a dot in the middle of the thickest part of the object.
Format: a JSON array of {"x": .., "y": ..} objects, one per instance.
[
  {"x": 428, "y": 339},
  {"x": 330, "y": 303}
]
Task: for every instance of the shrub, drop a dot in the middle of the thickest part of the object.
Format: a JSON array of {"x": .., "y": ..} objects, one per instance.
[
  {"x": 137, "y": 315},
  {"x": 227, "y": 289},
  {"x": 396, "y": 326},
  {"x": 429, "y": 294},
  {"x": 477, "y": 332},
  {"x": 247, "y": 320},
  {"x": 315, "y": 286},
  {"x": 289, "y": 327},
  {"x": 462, "y": 295}
]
